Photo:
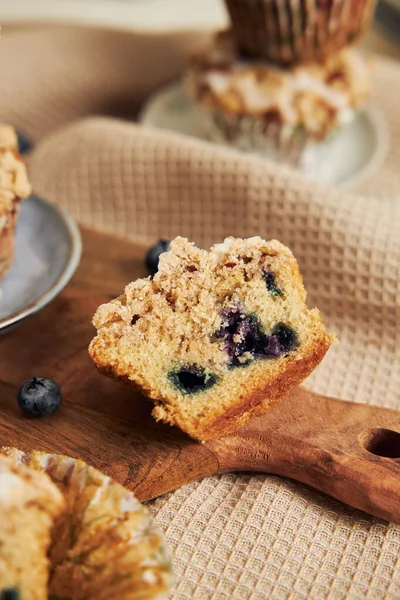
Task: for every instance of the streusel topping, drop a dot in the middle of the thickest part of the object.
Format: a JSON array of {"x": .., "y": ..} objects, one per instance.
[{"x": 316, "y": 96}]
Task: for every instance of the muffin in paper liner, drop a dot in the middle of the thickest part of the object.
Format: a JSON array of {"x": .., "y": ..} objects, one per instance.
[
  {"x": 286, "y": 114},
  {"x": 293, "y": 31},
  {"x": 30, "y": 504},
  {"x": 106, "y": 546}
]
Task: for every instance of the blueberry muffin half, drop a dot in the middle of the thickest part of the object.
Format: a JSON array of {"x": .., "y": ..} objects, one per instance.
[{"x": 215, "y": 337}]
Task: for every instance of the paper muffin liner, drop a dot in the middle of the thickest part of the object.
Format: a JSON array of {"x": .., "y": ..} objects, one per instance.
[
  {"x": 297, "y": 30},
  {"x": 107, "y": 546},
  {"x": 293, "y": 147}
]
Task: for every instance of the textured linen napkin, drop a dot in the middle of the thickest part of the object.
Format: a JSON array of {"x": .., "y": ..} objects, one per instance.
[{"x": 236, "y": 536}]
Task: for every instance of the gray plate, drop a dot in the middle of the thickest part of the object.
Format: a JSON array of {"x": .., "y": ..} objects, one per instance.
[{"x": 47, "y": 253}]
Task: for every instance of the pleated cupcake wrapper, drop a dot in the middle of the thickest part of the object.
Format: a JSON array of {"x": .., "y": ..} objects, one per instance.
[
  {"x": 284, "y": 144},
  {"x": 281, "y": 143},
  {"x": 289, "y": 31},
  {"x": 106, "y": 546}
]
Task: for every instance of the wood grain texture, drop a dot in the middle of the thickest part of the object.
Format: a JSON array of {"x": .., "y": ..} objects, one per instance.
[{"x": 349, "y": 451}]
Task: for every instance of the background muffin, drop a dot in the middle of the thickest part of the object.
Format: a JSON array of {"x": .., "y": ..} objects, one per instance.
[
  {"x": 259, "y": 107},
  {"x": 297, "y": 30}
]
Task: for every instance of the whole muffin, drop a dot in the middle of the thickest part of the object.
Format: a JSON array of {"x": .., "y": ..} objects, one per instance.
[
  {"x": 105, "y": 546},
  {"x": 298, "y": 30},
  {"x": 259, "y": 107}
]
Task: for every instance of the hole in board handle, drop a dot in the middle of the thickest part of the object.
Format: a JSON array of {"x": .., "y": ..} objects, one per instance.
[{"x": 383, "y": 442}]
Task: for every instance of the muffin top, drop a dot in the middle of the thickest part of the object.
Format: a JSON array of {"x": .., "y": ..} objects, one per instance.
[
  {"x": 316, "y": 96},
  {"x": 14, "y": 182}
]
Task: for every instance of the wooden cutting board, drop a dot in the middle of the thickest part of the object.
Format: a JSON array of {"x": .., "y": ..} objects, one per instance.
[{"x": 349, "y": 451}]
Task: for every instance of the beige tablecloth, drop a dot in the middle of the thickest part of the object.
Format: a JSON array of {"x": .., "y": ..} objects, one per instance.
[{"x": 234, "y": 536}]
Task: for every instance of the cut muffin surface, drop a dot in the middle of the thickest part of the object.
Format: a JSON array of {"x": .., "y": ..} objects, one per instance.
[{"x": 214, "y": 337}]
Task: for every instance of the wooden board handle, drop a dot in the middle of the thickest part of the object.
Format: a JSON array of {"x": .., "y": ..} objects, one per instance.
[{"x": 349, "y": 451}]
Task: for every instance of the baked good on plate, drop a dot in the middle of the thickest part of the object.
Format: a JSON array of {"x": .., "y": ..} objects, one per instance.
[
  {"x": 289, "y": 32},
  {"x": 14, "y": 186},
  {"x": 256, "y": 106},
  {"x": 106, "y": 546},
  {"x": 29, "y": 505},
  {"x": 215, "y": 337}
]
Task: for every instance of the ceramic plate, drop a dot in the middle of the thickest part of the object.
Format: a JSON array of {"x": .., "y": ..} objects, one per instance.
[
  {"x": 350, "y": 157},
  {"x": 47, "y": 253}
]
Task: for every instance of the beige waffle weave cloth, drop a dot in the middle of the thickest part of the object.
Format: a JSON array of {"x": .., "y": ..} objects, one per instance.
[{"x": 234, "y": 536}]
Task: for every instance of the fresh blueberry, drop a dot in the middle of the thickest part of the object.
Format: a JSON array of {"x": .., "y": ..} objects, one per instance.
[
  {"x": 192, "y": 379},
  {"x": 153, "y": 255},
  {"x": 10, "y": 594},
  {"x": 270, "y": 282},
  {"x": 24, "y": 143},
  {"x": 39, "y": 397},
  {"x": 287, "y": 337}
]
